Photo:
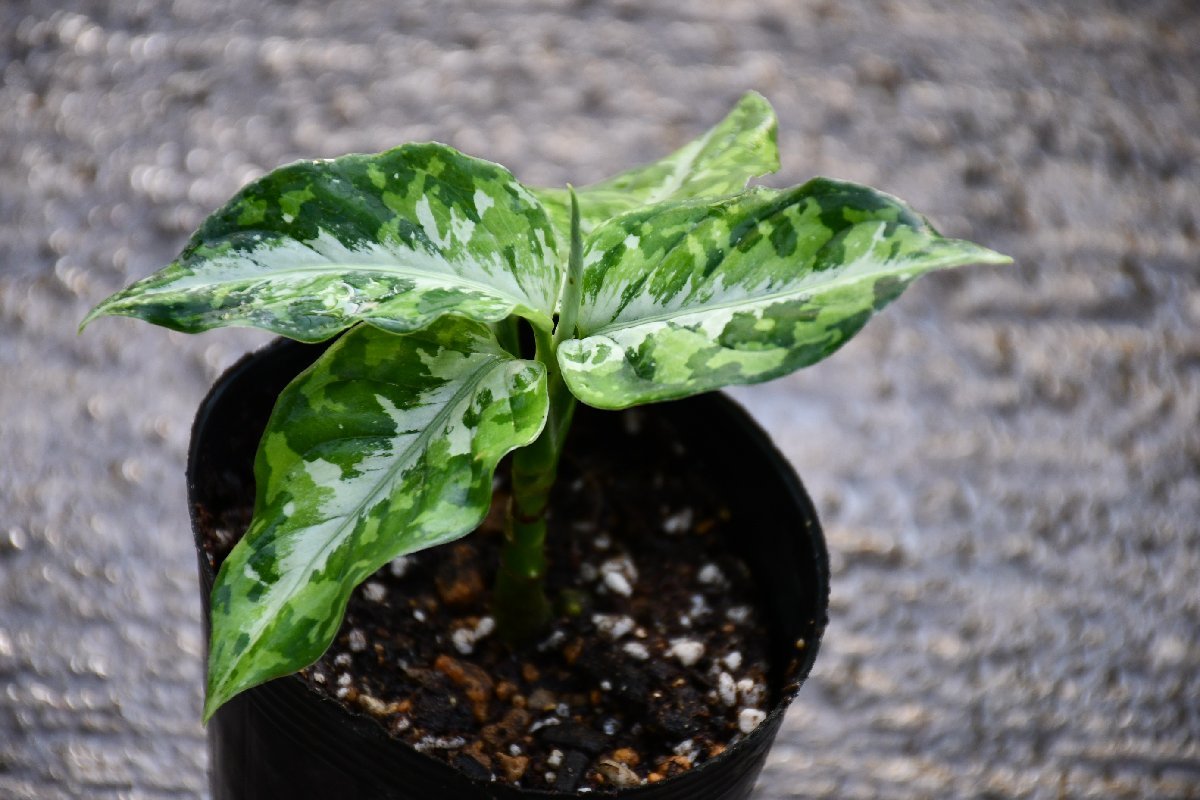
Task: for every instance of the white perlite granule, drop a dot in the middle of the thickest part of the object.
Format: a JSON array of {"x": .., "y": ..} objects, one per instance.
[
  {"x": 618, "y": 583},
  {"x": 637, "y": 650},
  {"x": 749, "y": 719},
  {"x": 688, "y": 651},
  {"x": 619, "y": 575},
  {"x": 464, "y": 639},
  {"x": 678, "y": 522},
  {"x": 614, "y": 626},
  {"x": 727, "y": 689}
]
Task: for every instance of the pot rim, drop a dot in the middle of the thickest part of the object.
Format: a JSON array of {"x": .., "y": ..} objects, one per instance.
[{"x": 763, "y": 734}]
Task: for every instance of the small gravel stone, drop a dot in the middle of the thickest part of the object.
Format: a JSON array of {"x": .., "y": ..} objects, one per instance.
[
  {"x": 688, "y": 749},
  {"x": 738, "y": 613},
  {"x": 373, "y": 705},
  {"x": 356, "y": 641},
  {"x": 513, "y": 766},
  {"x": 542, "y": 699},
  {"x": 617, "y": 774},
  {"x": 472, "y": 679}
]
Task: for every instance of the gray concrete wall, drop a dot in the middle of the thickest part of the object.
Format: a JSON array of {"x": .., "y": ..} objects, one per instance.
[{"x": 1007, "y": 461}]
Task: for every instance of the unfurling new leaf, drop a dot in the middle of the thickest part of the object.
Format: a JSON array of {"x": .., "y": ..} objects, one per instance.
[{"x": 721, "y": 161}]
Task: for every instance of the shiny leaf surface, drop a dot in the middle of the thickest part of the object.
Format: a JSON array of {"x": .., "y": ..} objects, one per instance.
[
  {"x": 385, "y": 446},
  {"x": 396, "y": 239},
  {"x": 687, "y": 297}
]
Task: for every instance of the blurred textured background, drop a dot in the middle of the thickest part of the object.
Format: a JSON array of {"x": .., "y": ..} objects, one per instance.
[{"x": 1007, "y": 461}]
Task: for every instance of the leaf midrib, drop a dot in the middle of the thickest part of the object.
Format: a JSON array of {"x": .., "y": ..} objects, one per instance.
[
  {"x": 398, "y": 270},
  {"x": 814, "y": 290},
  {"x": 439, "y": 417}
]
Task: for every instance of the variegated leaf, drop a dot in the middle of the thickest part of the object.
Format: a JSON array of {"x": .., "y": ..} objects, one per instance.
[
  {"x": 385, "y": 446},
  {"x": 687, "y": 297},
  {"x": 740, "y": 147},
  {"x": 395, "y": 239}
]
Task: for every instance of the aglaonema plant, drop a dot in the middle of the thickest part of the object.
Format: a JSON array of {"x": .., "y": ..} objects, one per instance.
[{"x": 663, "y": 282}]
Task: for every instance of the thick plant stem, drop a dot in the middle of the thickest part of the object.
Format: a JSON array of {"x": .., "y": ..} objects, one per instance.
[{"x": 519, "y": 599}]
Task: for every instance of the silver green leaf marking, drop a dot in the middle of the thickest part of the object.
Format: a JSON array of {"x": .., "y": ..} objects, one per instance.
[
  {"x": 688, "y": 297},
  {"x": 740, "y": 147},
  {"x": 385, "y": 446},
  {"x": 396, "y": 239}
]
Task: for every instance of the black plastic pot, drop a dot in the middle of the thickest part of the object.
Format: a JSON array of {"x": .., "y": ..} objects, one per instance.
[{"x": 281, "y": 740}]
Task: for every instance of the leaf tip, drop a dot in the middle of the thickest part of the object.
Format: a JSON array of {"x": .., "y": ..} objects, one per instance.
[
  {"x": 755, "y": 98},
  {"x": 982, "y": 255},
  {"x": 210, "y": 708},
  {"x": 101, "y": 310}
]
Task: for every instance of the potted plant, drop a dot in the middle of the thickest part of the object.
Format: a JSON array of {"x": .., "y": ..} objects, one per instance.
[{"x": 469, "y": 316}]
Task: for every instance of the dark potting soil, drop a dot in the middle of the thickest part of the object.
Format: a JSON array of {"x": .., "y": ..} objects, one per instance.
[{"x": 656, "y": 660}]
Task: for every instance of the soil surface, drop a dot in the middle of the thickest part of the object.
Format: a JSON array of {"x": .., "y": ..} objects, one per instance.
[{"x": 655, "y": 662}]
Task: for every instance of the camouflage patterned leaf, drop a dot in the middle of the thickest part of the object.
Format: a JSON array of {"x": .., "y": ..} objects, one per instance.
[
  {"x": 688, "y": 297},
  {"x": 385, "y": 446},
  {"x": 738, "y": 148},
  {"x": 396, "y": 239}
]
